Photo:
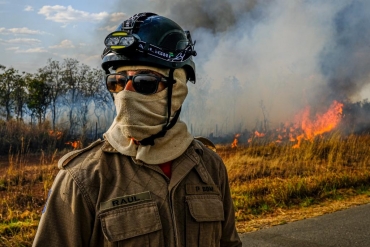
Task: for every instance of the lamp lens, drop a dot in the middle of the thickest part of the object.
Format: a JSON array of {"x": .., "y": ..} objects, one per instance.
[
  {"x": 112, "y": 41},
  {"x": 126, "y": 41}
]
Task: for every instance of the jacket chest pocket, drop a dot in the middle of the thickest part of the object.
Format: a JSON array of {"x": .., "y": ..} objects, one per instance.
[
  {"x": 136, "y": 225},
  {"x": 204, "y": 226}
]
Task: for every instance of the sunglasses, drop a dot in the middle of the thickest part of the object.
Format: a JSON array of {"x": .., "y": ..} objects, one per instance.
[{"x": 142, "y": 83}]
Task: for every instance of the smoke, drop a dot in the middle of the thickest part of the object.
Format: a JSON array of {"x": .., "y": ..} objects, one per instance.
[
  {"x": 264, "y": 60},
  {"x": 346, "y": 61}
]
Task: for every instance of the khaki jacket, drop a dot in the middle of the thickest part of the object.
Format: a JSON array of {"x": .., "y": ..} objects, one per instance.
[{"x": 103, "y": 198}]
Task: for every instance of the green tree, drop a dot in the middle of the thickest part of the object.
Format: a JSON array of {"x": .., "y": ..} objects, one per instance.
[
  {"x": 94, "y": 98},
  {"x": 7, "y": 84},
  {"x": 19, "y": 96},
  {"x": 39, "y": 98},
  {"x": 57, "y": 88},
  {"x": 102, "y": 100},
  {"x": 72, "y": 76}
]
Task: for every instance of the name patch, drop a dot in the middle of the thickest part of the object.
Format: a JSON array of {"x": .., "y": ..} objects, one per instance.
[
  {"x": 126, "y": 200},
  {"x": 198, "y": 189}
]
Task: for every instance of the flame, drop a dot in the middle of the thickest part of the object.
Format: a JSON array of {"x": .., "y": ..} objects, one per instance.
[
  {"x": 322, "y": 123},
  {"x": 75, "y": 144},
  {"x": 299, "y": 139},
  {"x": 304, "y": 127},
  {"x": 57, "y": 134},
  {"x": 258, "y": 134},
  {"x": 235, "y": 142}
]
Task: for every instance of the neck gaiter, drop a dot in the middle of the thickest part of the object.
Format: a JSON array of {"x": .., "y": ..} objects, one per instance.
[{"x": 140, "y": 116}]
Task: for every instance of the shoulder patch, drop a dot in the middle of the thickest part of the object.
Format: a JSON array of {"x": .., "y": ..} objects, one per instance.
[
  {"x": 71, "y": 155},
  {"x": 206, "y": 142}
]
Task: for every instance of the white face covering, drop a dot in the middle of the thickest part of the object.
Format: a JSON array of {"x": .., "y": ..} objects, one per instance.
[{"x": 140, "y": 116}]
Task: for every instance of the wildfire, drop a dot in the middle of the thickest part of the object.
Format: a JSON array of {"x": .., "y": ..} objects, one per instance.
[
  {"x": 299, "y": 139},
  {"x": 235, "y": 142},
  {"x": 323, "y": 123},
  {"x": 56, "y": 134},
  {"x": 75, "y": 144},
  {"x": 304, "y": 127},
  {"x": 258, "y": 134}
]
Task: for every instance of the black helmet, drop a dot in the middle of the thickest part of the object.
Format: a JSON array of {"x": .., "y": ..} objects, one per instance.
[{"x": 150, "y": 39}]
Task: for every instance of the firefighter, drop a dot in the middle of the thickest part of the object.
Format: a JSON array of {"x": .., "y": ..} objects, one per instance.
[{"x": 149, "y": 182}]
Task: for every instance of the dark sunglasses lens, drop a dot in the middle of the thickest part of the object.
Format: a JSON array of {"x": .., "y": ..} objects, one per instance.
[
  {"x": 116, "y": 83},
  {"x": 146, "y": 84}
]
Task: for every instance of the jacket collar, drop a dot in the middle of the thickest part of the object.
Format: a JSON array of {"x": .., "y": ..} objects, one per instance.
[
  {"x": 107, "y": 148},
  {"x": 181, "y": 166}
]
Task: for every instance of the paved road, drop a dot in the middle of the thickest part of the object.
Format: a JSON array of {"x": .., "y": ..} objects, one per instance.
[{"x": 347, "y": 228}]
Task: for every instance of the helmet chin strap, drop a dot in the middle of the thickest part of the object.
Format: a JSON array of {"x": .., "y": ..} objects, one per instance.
[{"x": 169, "y": 124}]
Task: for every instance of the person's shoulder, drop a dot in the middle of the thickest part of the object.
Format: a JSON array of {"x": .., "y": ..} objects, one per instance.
[
  {"x": 207, "y": 150},
  {"x": 210, "y": 160},
  {"x": 206, "y": 142},
  {"x": 66, "y": 161}
]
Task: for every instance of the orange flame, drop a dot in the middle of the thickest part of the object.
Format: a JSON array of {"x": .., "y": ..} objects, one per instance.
[
  {"x": 75, "y": 144},
  {"x": 57, "y": 134},
  {"x": 304, "y": 127},
  {"x": 299, "y": 139},
  {"x": 235, "y": 142},
  {"x": 323, "y": 123},
  {"x": 258, "y": 134}
]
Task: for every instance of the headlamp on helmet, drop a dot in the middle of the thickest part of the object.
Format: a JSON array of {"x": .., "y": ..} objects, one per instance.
[
  {"x": 149, "y": 39},
  {"x": 119, "y": 40}
]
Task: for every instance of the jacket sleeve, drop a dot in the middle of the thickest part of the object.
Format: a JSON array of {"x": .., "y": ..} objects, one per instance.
[
  {"x": 230, "y": 237},
  {"x": 66, "y": 220}
]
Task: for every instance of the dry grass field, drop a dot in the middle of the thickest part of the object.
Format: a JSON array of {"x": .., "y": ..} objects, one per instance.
[
  {"x": 274, "y": 184},
  {"x": 24, "y": 183},
  {"x": 271, "y": 183}
]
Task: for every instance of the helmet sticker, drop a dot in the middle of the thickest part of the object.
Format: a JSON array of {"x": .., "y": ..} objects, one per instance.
[{"x": 166, "y": 55}]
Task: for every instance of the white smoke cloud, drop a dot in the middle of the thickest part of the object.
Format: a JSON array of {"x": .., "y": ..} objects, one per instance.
[
  {"x": 119, "y": 16},
  {"x": 275, "y": 60},
  {"x": 108, "y": 28},
  {"x": 261, "y": 58}
]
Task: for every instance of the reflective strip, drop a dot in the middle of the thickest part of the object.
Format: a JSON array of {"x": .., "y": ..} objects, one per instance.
[
  {"x": 119, "y": 34},
  {"x": 117, "y": 46}
]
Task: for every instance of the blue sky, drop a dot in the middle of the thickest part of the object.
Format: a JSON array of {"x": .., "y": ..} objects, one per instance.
[{"x": 32, "y": 31}]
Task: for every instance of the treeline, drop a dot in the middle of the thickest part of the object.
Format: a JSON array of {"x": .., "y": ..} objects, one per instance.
[{"x": 62, "y": 97}]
